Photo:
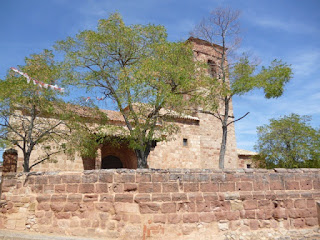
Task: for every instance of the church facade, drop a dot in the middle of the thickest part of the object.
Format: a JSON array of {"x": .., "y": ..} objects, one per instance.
[{"x": 197, "y": 144}]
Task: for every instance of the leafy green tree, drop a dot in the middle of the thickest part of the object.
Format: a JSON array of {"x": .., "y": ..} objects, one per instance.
[
  {"x": 137, "y": 68},
  {"x": 236, "y": 75},
  {"x": 289, "y": 142},
  {"x": 25, "y": 107}
]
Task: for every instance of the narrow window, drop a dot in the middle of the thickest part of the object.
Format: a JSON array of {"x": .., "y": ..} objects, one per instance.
[
  {"x": 185, "y": 142},
  {"x": 212, "y": 68},
  {"x": 248, "y": 165}
]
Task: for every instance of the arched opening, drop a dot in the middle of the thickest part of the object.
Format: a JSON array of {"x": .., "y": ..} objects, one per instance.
[{"x": 110, "y": 162}]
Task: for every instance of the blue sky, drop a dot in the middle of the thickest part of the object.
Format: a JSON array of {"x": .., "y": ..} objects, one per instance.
[{"x": 287, "y": 30}]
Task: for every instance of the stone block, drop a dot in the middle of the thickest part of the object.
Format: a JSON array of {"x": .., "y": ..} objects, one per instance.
[
  {"x": 227, "y": 187},
  {"x": 244, "y": 186},
  {"x": 71, "y": 207},
  {"x": 159, "y": 218},
  {"x": 142, "y": 198},
  {"x": 90, "y": 198},
  {"x": 123, "y": 198},
  {"x": 71, "y": 178},
  {"x": 168, "y": 208},
  {"x": 250, "y": 204},
  {"x": 176, "y": 197},
  {"x": 276, "y": 185},
  {"x": 170, "y": 187},
  {"x": 203, "y": 206},
  {"x": 130, "y": 187},
  {"x": 72, "y": 188},
  {"x": 43, "y": 198},
  {"x": 86, "y": 188},
  {"x": 58, "y": 198},
  {"x": 191, "y": 187},
  {"x": 174, "y": 218},
  {"x": 60, "y": 188},
  {"x": 161, "y": 197},
  {"x": 105, "y": 177},
  {"x": 160, "y": 177},
  {"x": 125, "y": 178},
  {"x": 149, "y": 187},
  {"x": 300, "y": 203},
  {"x": 74, "y": 198},
  {"x": 106, "y": 198},
  {"x": 90, "y": 178},
  {"x": 190, "y": 217},
  {"x": 101, "y": 188},
  {"x": 104, "y": 206},
  {"x": 207, "y": 217},
  {"x": 143, "y": 177},
  {"x": 149, "y": 207},
  {"x": 209, "y": 187},
  {"x": 254, "y": 224},
  {"x": 292, "y": 185}
]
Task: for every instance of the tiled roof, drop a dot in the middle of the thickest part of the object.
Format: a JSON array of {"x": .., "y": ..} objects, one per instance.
[{"x": 246, "y": 152}]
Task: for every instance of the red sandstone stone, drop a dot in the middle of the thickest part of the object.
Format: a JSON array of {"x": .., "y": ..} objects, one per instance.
[
  {"x": 248, "y": 214},
  {"x": 280, "y": 213},
  {"x": 254, "y": 224},
  {"x": 130, "y": 187},
  {"x": 105, "y": 177},
  {"x": 260, "y": 185},
  {"x": 186, "y": 207},
  {"x": 190, "y": 217},
  {"x": 209, "y": 187},
  {"x": 149, "y": 187},
  {"x": 300, "y": 203},
  {"x": 208, "y": 197},
  {"x": 265, "y": 204},
  {"x": 142, "y": 198},
  {"x": 54, "y": 179},
  {"x": 203, "y": 206},
  {"x": 160, "y": 177},
  {"x": 220, "y": 216},
  {"x": 86, "y": 188},
  {"x": 149, "y": 207},
  {"x": 313, "y": 221},
  {"x": 244, "y": 186},
  {"x": 179, "y": 197},
  {"x": 161, "y": 197},
  {"x": 170, "y": 187},
  {"x": 123, "y": 198},
  {"x": 191, "y": 187},
  {"x": 101, "y": 188},
  {"x": 276, "y": 185},
  {"x": 298, "y": 223},
  {"x": 90, "y": 178},
  {"x": 72, "y": 188},
  {"x": 60, "y": 188},
  {"x": 104, "y": 206},
  {"x": 168, "y": 208},
  {"x": 58, "y": 198},
  {"x": 207, "y": 217},
  {"x": 143, "y": 177},
  {"x": 306, "y": 184},
  {"x": 227, "y": 187},
  {"x": 43, "y": 206},
  {"x": 250, "y": 204},
  {"x": 74, "y": 198},
  {"x": 311, "y": 203},
  {"x": 124, "y": 178},
  {"x": 90, "y": 197},
  {"x": 43, "y": 198},
  {"x": 159, "y": 218},
  {"x": 135, "y": 218},
  {"x": 316, "y": 184},
  {"x": 56, "y": 207},
  {"x": 292, "y": 185},
  {"x": 195, "y": 197},
  {"x": 71, "y": 207},
  {"x": 174, "y": 218},
  {"x": 71, "y": 178},
  {"x": 118, "y": 187}
]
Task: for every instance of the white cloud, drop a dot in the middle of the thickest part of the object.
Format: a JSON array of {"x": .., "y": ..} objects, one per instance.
[{"x": 288, "y": 26}]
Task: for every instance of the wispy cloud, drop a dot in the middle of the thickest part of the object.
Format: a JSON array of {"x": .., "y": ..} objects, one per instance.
[{"x": 288, "y": 26}]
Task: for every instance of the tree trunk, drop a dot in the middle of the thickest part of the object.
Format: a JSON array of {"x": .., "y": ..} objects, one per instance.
[
  {"x": 223, "y": 147},
  {"x": 26, "y": 162},
  {"x": 142, "y": 158}
]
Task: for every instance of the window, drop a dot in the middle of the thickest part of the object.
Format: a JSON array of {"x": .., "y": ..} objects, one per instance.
[
  {"x": 248, "y": 165},
  {"x": 212, "y": 68},
  {"x": 185, "y": 142}
]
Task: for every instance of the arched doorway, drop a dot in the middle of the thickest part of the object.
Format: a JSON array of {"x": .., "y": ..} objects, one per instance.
[{"x": 110, "y": 162}]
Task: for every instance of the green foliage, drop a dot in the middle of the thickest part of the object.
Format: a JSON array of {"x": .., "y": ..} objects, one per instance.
[
  {"x": 136, "y": 67},
  {"x": 289, "y": 142},
  {"x": 24, "y": 106},
  {"x": 244, "y": 78}
]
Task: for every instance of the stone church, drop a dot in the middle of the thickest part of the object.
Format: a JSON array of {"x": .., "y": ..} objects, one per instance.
[{"x": 197, "y": 144}]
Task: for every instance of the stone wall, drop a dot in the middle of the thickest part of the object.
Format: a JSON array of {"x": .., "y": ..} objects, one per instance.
[{"x": 163, "y": 204}]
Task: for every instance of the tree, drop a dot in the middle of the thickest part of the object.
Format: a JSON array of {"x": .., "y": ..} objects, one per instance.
[
  {"x": 136, "y": 67},
  {"x": 25, "y": 107},
  {"x": 289, "y": 142},
  {"x": 236, "y": 75}
]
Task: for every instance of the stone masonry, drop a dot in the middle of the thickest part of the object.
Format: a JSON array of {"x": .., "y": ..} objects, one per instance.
[{"x": 164, "y": 204}]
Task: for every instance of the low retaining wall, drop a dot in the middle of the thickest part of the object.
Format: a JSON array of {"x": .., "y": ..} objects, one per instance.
[{"x": 159, "y": 204}]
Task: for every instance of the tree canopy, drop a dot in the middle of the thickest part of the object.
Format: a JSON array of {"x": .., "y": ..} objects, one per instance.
[
  {"x": 236, "y": 75},
  {"x": 136, "y": 67},
  {"x": 24, "y": 108},
  {"x": 289, "y": 142}
]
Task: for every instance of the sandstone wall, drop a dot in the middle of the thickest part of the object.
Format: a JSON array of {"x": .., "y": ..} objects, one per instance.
[{"x": 163, "y": 204}]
